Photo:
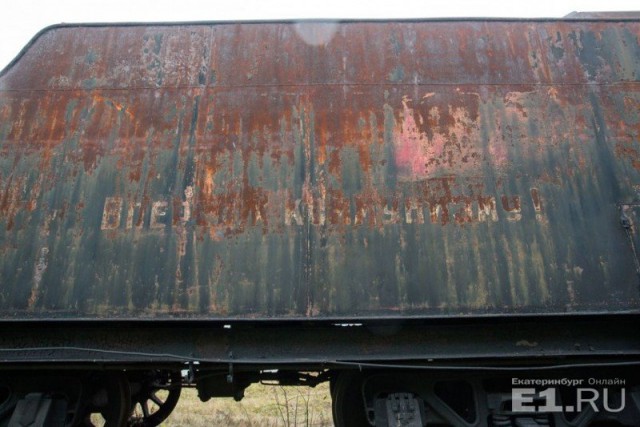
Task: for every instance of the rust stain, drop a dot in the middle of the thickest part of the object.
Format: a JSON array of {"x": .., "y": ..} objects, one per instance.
[
  {"x": 535, "y": 197},
  {"x": 629, "y": 152},
  {"x": 282, "y": 150},
  {"x": 511, "y": 205}
]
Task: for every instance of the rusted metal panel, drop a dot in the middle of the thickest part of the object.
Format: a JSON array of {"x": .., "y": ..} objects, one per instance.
[{"x": 336, "y": 169}]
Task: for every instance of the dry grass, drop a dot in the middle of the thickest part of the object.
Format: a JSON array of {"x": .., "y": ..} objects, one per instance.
[{"x": 262, "y": 405}]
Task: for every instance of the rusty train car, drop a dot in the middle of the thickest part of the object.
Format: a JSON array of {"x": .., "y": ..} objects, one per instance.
[{"x": 424, "y": 213}]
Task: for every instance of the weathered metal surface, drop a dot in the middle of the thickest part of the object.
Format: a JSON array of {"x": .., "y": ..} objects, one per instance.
[{"x": 293, "y": 170}]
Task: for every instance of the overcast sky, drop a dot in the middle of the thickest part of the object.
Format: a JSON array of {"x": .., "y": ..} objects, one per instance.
[{"x": 20, "y": 20}]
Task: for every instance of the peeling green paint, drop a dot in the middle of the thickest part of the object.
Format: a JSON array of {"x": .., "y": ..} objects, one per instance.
[{"x": 304, "y": 194}]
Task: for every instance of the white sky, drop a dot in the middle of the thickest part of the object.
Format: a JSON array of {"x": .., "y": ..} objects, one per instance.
[{"x": 20, "y": 20}]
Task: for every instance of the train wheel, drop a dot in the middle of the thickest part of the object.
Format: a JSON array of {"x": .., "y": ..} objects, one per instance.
[
  {"x": 108, "y": 397},
  {"x": 8, "y": 401},
  {"x": 154, "y": 395},
  {"x": 347, "y": 403}
]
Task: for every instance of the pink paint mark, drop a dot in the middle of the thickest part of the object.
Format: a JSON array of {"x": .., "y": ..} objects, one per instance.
[
  {"x": 452, "y": 148},
  {"x": 410, "y": 156}
]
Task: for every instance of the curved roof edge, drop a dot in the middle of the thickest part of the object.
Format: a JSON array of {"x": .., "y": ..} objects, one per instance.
[{"x": 631, "y": 16}]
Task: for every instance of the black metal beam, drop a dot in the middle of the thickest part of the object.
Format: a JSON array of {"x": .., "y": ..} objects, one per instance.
[{"x": 435, "y": 343}]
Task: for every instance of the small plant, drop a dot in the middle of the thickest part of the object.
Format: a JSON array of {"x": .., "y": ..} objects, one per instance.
[
  {"x": 263, "y": 405},
  {"x": 294, "y": 410}
]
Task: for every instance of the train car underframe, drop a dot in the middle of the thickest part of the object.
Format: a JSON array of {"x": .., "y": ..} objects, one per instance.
[{"x": 438, "y": 372}]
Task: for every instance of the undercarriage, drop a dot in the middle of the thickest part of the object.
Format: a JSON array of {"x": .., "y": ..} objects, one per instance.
[{"x": 547, "y": 371}]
